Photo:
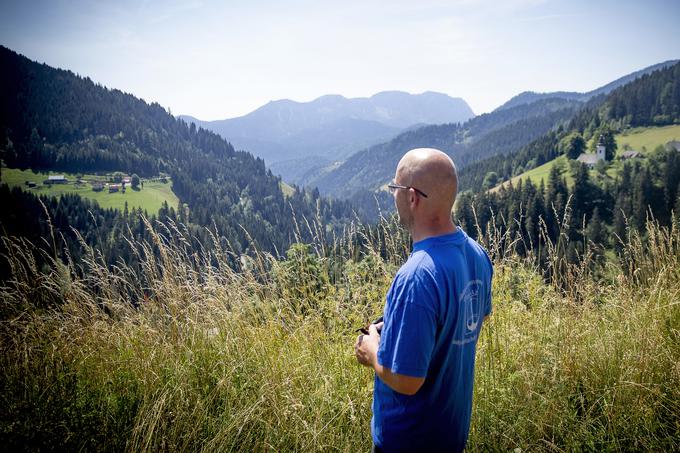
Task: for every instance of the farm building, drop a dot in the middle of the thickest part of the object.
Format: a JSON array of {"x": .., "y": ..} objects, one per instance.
[
  {"x": 56, "y": 179},
  {"x": 630, "y": 154}
]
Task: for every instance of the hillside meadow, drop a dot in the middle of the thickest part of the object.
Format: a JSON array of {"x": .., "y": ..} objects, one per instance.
[
  {"x": 186, "y": 354},
  {"x": 647, "y": 138},
  {"x": 150, "y": 198},
  {"x": 641, "y": 139}
]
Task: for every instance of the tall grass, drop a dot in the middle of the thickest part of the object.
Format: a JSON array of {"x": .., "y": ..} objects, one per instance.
[{"x": 186, "y": 354}]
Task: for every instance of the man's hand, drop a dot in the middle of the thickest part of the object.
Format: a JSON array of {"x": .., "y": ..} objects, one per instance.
[
  {"x": 366, "y": 347},
  {"x": 366, "y": 350}
]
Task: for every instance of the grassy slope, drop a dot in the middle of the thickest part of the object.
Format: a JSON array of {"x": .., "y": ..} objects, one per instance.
[
  {"x": 150, "y": 198},
  {"x": 286, "y": 189},
  {"x": 648, "y": 138},
  {"x": 218, "y": 361},
  {"x": 639, "y": 139}
]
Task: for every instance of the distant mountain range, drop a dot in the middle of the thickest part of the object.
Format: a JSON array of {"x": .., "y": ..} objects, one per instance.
[
  {"x": 507, "y": 129},
  {"x": 528, "y": 97},
  {"x": 294, "y": 136}
]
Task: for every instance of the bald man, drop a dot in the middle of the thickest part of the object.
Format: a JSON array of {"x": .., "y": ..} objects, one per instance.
[{"x": 423, "y": 353}]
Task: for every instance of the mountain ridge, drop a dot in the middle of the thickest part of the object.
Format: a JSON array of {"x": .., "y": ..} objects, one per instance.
[
  {"x": 286, "y": 130},
  {"x": 527, "y": 97}
]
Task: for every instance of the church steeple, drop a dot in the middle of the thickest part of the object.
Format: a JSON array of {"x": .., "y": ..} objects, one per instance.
[{"x": 601, "y": 154}]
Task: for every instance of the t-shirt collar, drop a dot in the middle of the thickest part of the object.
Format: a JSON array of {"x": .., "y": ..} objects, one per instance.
[{"x": 455, "y": 238}]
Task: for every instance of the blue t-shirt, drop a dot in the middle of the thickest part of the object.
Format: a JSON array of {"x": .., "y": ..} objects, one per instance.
[{"x": 433, "y": 315}]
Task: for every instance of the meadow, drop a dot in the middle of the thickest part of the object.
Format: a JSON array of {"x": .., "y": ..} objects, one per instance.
[
  {"x": 645, "y": 139},
  {"x": 186, "y": 354},
  {"x": 150, "y": 198}
]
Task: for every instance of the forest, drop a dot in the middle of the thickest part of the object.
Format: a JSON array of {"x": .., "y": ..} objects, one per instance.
[{"x": 53, "y": 119}]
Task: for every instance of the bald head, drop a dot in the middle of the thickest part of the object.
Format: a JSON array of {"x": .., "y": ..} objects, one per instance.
[{"x": 432, "y": 172}]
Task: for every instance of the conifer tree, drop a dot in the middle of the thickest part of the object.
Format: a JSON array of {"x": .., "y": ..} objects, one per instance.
[
  {"x": 595, "y": 231},
  {"x": 573, "y": 145}
]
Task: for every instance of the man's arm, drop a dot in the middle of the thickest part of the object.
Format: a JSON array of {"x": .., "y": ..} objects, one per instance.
[{"x": 366, "y": 350}]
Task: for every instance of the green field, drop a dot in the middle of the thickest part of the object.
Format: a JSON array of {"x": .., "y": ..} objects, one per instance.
[
  {"x": 639, "y": 139},
  {"x": 540, "y": 173},
  {"x": 150, "y": 198},
  {"x": 648, "y": 138}
]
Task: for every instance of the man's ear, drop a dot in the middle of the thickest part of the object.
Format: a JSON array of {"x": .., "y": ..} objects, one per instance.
[{"x": 415, "y": 198}]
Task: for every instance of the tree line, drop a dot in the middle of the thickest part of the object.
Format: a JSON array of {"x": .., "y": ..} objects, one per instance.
[{"x": 595, "y": 212}]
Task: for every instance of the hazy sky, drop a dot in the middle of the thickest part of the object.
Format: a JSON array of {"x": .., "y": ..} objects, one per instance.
[{"x": 220, "y": 59}]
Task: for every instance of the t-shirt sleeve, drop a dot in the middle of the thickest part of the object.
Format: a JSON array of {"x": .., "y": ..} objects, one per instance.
[{"x": 408, "y": 335}]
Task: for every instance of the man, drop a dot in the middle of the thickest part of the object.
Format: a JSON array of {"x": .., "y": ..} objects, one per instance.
[{"x": 423, "y": 353}]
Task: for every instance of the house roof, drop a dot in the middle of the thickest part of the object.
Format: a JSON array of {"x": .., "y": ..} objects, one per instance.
[
  {"x": 630, "y": 154},
  {"x": 55, "y": 177}
]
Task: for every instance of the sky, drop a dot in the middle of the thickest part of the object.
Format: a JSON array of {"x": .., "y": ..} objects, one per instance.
[{"x": 223, "y": 59}]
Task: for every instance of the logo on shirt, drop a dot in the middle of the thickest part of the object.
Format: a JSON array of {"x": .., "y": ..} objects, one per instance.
[{"x": 471, "y": 307}]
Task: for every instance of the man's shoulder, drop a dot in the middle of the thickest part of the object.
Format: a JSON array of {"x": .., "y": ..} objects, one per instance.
[
  {"x": 418, "y": 263},
  {"x": 480, "y": 249},
  {"x": 419, "y": 268}
]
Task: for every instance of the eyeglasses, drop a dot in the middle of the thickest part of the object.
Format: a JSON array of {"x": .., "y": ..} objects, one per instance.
[{"x": 394, "y": 187}]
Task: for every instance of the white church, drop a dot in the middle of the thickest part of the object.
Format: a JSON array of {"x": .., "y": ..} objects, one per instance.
[{"x": 591, "y": 159}]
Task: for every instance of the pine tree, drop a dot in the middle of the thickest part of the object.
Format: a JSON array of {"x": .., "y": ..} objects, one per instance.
[
  {"x": 573, "y": 145},
  {"x": 464, "y": 214},
  {"x": 585, "y": 195},
  {"x": 555, "y": 200},
  {"x": 595, "y": 232}
]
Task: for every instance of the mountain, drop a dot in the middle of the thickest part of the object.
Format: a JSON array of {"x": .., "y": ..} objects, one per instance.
[
  {"x": 52, "y": 119},
  {"x": 498, "y": 132},
  {"x": 528, "y": 97},
  {"x": 332, "y": 127}
]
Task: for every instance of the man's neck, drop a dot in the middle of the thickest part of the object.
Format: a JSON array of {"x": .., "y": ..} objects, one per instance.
[{"x": 421, "y": 232}]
